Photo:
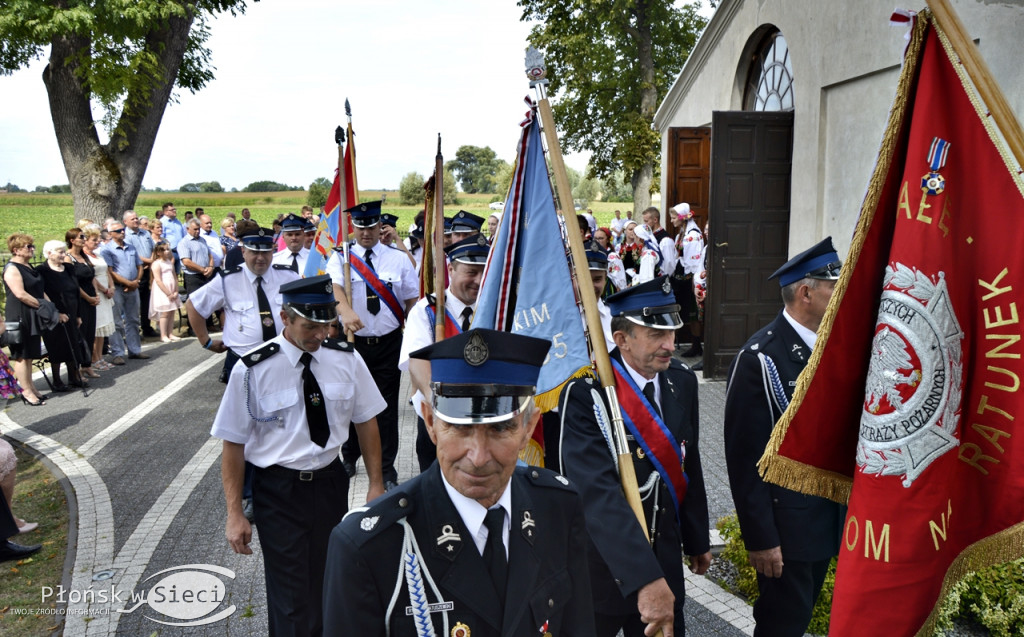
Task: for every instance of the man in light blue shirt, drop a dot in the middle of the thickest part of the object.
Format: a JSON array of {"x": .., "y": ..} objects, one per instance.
[
  {"x": 174, "y": 231},
  {"x": 139, "y": 238},
  {"x": 125, "y": 268}
]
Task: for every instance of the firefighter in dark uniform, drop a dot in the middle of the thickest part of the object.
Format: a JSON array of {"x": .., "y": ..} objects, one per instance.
[
  {"x": 287, "y": 409},
  {"x": 790, "y": 537},
  {"x": 639, "y": 584},
  {"x": 474, "y": 546}
]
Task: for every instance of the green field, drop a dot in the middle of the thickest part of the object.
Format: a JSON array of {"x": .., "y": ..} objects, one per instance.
[{"x": 47, "y": 216}]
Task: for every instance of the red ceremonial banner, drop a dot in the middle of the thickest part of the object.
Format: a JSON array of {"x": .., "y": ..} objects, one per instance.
[{"x": 910, "y": 404}]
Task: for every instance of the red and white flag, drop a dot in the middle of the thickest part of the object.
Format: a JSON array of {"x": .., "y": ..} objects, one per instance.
[{"x": 911, "y": 405}]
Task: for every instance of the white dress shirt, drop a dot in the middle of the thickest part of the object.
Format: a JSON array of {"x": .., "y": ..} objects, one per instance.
[
  {"x": 284, "y": 257},
  {"x": 275, "y": 392},
  {"x": 473, "y": 514},
  {"x": 235, "y": 292},
  {"x": 392, "y": 267}
]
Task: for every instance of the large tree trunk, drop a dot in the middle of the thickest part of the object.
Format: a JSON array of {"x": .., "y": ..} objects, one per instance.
[
  {"x": 641, "y": 182},
  {"x": 106, "y": 178},
  {"x": 643, "y": 174}
]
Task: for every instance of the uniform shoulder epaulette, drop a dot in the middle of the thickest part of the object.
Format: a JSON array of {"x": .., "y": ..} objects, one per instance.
[
  {"x": 339, "y": 345},
  {"x": 365, "y": 523},
  {"x": 760, "y": 339},
  {"x": 281, "y": 266},
  {"x": 261, "y": 354},
  {"x": 234, "y": 270},
  {"x": 541, "y": 477}
]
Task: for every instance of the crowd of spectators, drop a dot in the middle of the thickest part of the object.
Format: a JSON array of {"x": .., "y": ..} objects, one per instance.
[{"x": 97, "y": 291}]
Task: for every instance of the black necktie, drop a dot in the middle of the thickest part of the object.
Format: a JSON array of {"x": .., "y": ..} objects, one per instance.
[
  {"x": 494, "y": 550},
  {"x": 372, "y": 300},
  {"x": 316, "y": 411},
  {"x": 649, "y": 395},
  {"x": 295, "y": 262},
  {"x": 266, "y": 316},
  {"x": 467, "y": 315}
]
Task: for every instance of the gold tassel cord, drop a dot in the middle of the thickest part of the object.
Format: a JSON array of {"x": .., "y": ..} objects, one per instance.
[
  {"x": 549, "y": 400},
  {"x": 774, "y": 468}
]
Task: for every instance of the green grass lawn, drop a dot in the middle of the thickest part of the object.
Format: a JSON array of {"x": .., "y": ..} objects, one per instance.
[
  {"x": 47, "y": 216},
  {"x": 38, "y": 497}
]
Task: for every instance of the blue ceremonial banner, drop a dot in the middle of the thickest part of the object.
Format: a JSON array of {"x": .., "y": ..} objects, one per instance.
[
  {"x": 326, "y": 236},
  {"x": 527, "y": 287}
]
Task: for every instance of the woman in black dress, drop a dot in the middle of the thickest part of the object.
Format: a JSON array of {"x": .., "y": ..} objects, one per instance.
[
  {"x": 88, "y": 299},
  {"x": 24, "y": 288},
  {"x": 64, "y": 343}
]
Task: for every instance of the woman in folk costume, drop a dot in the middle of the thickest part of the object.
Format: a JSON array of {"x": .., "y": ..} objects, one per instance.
[
  {"x": 650, "y": 256},
  {"x": 629, "y": 251},
  {"x": 690, "y": 243}
]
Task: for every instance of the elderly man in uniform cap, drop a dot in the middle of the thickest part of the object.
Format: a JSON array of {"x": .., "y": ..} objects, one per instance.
[
  {"x": 465, "y": 224},
  {"x": 295, "y": 252},
  {"x": 480, "y": 547},
  {"x": 287, "y": 409},
  {"x": 638, "y": 585},
  {"x": 466, "y": 261},
  {"x": 384, "y": 289},
  {"x": 790, "y": 537}
]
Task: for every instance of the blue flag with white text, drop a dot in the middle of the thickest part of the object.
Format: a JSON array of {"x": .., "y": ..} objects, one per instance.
[{"x": 527, "y": 287}]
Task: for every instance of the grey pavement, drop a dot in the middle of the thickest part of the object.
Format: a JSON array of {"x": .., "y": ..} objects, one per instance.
[{"x": 149, "y": 509}]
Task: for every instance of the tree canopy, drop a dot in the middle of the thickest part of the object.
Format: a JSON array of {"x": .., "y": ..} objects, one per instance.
[
  {"x": 411, "y": 193},
  {"x": 127, "y": 56},
  {"x": 477, "y": 168},
  {"x": 317, "y": 193},
  {"x": 609, "y": 63}
]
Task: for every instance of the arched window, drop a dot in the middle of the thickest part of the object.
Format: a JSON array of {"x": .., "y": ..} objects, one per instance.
[{"x": 770, "y": 80}]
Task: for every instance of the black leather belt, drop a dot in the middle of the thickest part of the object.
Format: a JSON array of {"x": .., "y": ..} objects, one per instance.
[
  {"x": 377, "y": 340},
  {"x": 305, "y": 476}
]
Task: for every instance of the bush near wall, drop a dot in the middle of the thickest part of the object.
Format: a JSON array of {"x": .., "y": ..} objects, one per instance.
[{"x": 746, "y": 582}]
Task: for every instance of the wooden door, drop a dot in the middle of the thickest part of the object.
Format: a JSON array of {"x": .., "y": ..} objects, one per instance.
[
  {"x": 689, "y": 166},
  {"x": 751, "y": 167}
]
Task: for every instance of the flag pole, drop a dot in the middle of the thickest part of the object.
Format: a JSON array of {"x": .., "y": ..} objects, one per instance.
[
  {"x": 438, "y": 238},
  {"x": 627, "y": 474},
  {"x": 948, "y": 20},
  {"x": 339, "y": 138}
]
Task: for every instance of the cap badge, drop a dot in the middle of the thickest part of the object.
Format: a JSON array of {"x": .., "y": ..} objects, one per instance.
[
  {"x": 476, "y": 352},
  {"x": 481, "y": 240},
  {"x": 666, "y": 286},
  {"x": 328, "y": 288},
  {"x": 367, "y": 524},
  {"x": 362, "y": 208}
]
